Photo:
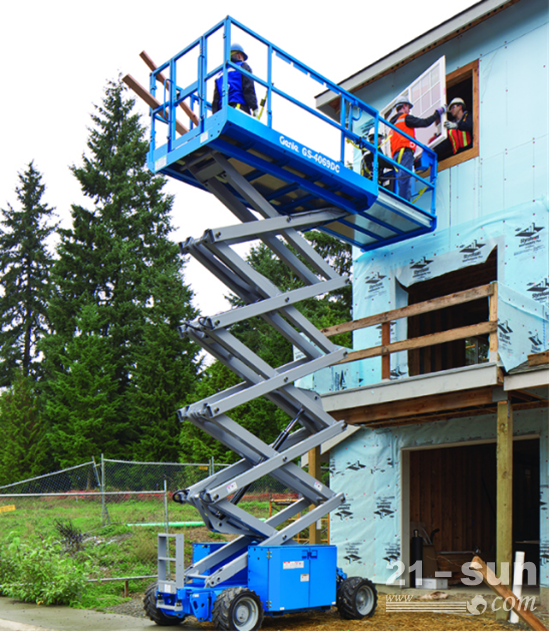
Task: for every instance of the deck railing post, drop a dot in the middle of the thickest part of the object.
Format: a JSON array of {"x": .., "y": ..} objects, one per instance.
[
  {"x": 493, "y": 317},
  {"x": 386, "y": 334}
]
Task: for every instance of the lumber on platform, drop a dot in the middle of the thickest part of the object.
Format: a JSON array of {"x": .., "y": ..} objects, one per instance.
[
  {"x": 162, "y": 79},
  {"x": 149, "y": 99}
]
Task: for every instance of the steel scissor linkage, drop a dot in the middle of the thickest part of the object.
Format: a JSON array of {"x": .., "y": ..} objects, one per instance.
[{"x": 217, "y": 497}]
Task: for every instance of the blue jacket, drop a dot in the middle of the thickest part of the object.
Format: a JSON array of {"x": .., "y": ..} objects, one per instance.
[{"x": 241, "y": 88}]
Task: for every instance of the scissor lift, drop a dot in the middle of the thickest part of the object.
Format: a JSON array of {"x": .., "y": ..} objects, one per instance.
[{"x": 277, "y": 188}]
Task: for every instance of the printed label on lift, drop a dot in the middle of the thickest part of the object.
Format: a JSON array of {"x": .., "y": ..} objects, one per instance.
[
  {"x": 304, "y": 578},
  {"x": 291, "y": 565},
  {"x": 160, "y": 163},
  {"x": 318, "y": 486},
  {"x": 231, "y": 487}
]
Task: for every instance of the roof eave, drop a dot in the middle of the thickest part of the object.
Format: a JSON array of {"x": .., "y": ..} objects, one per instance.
[{"x": 447, "y": 30}]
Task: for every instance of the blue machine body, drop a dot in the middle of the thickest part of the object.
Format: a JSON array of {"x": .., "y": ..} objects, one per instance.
[
  {"x": 292, "y": 176},
  {"x": 288, "y": 578},
  {"x": 293, "y": 577}
]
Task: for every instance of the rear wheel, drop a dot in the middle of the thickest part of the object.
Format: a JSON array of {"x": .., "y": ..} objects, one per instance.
[
  {"x": 356, "y": 598},
  {"x": 156, "y": 615},
  {"x": 237, "y": 609}
]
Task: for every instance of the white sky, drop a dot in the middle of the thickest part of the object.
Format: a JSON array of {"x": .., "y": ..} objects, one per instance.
[{"x": 57, "y": 56}]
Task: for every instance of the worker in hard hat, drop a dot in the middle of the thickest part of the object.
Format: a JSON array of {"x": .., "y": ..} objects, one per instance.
[
  {"x": 460, "y": 131},
  {"x": 385, "y": 169},
  {"x": 402, "y": 148},
  {"x": 242, "y": 94}
]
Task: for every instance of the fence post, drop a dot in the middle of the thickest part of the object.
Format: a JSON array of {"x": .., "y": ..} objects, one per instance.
[
  {"x": 104, "y": 513},
  {"x": 166, "y": 506}
]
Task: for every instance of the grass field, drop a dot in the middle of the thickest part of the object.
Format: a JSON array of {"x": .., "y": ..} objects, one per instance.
[{"x": 110, "y": 547}]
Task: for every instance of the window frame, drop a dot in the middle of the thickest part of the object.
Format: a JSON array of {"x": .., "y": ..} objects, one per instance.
[{"x": 470, "y": 71}]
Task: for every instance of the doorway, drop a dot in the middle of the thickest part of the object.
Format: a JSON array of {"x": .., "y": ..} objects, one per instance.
[{"x": 452, "y": 491}]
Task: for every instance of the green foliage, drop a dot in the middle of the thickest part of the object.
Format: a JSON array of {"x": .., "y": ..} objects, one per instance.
[
  {"x": 117, "y": 369},
  {"x": 40, "y": 572},
  {"x": 25, "y": 265},
  {"x": 24, "y": 445}
]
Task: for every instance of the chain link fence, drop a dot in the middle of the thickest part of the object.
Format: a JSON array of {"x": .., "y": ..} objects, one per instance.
[{"x": 112, "y": 511}]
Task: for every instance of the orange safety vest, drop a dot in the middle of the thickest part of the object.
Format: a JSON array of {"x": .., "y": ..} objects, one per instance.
[
  {"x": 398, "y": 141},
  {"x": 459, "y": 139}
]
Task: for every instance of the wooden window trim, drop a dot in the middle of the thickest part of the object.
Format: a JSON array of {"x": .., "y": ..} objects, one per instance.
[{"x": 461, "y": 74}]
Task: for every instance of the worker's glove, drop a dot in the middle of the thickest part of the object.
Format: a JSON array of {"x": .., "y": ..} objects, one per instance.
[
  {"x": 256, "y": 112},
  {"x": 440, "y": 111},
  {"x": 450, "y": 125}
]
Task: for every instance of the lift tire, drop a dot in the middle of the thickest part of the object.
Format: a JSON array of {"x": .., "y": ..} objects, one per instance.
[
  {"x": 237, "y": 608},
  {"x": 356, "y": 598},
  {"x": 156, "y": 615}
]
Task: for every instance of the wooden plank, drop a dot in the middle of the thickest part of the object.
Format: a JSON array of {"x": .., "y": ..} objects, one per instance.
[
  {"x": 504, "y": 491},
  {"x": 536, "y": 359},
  {"x": 149, "y": 99},
  {"x": 162, "y": 80},
  {"x": 314, "y": 469},
  {"x": 423, "y": 341},
  {"x": 418, "y": 405},
  {"x": 386, "y": 370},
  {"x": 494, "y": 584},
  {"x": 412, "y": 310}
]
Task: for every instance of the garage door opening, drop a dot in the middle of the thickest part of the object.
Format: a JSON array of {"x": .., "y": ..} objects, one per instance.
[{"x": 452, "y": 494}]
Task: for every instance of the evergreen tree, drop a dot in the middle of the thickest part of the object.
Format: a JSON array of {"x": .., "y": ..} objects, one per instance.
[
  {"x": 25, "y": 264},
  {"x": 24, "y": 445},
  {"x": 118, "y": 300}
]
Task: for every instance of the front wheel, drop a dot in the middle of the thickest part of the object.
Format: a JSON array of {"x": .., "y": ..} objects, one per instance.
[
  {"x": 156, "y": 615},
  {"x": 356, "y": 598},
  {"x": 237, "y": 609}
]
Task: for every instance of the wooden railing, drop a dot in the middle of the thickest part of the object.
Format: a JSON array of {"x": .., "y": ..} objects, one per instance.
[{"x": 385, "y": 318}]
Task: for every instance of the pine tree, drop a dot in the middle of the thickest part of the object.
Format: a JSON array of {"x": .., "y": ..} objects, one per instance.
[
  {"x": 25, "y": 264},
  {"x": 24, "y": 452},
  {"x": 118, "y": 287}
]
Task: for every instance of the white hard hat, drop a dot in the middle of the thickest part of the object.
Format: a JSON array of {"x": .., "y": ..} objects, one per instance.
[{"x": 457, "y": 101}]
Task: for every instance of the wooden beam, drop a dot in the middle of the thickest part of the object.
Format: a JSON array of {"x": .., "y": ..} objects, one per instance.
[
  {"x": 479, "y": 566},
  {"x": 162, "y": 80},
  {"x": 149, "y": 99},
  {"x": 314, "y": 469},
  {"x": 423, "y": 341},
  {"x": 504, "y": 515},
  {"x": 412, "y": 310},
  {"x": 417, "y": 406},
  {"x": 536, "y": 359}
]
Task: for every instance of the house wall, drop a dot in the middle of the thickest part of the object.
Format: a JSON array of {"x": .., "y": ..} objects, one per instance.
[
  {"x": 512, "y": 167},
  {"x": 370, "y": 528},
  {"x": 499, "y": 198}
]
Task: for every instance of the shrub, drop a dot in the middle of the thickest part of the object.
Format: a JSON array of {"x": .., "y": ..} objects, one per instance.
[{"x": 40, "y": 572}]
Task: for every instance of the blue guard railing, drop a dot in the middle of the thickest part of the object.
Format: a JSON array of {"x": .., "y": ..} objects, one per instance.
[{"x": 354, "y": 114}]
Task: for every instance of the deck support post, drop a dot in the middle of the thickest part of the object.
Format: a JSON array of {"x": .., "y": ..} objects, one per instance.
[
  {"x": 504, "y": 516},
  {"x": 314, "y": 468}
]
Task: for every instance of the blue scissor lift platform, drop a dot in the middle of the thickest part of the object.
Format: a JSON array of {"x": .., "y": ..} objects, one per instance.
[{"x": 278, "y": 187}]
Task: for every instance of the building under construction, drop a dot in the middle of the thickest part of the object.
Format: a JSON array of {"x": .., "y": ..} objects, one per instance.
[
  {"x": 446, "y": 390},
  {"x": 435, "y": 423}
]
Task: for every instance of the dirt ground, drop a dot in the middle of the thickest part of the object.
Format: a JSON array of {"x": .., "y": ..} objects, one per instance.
[{"x": 332, "y": 621}]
